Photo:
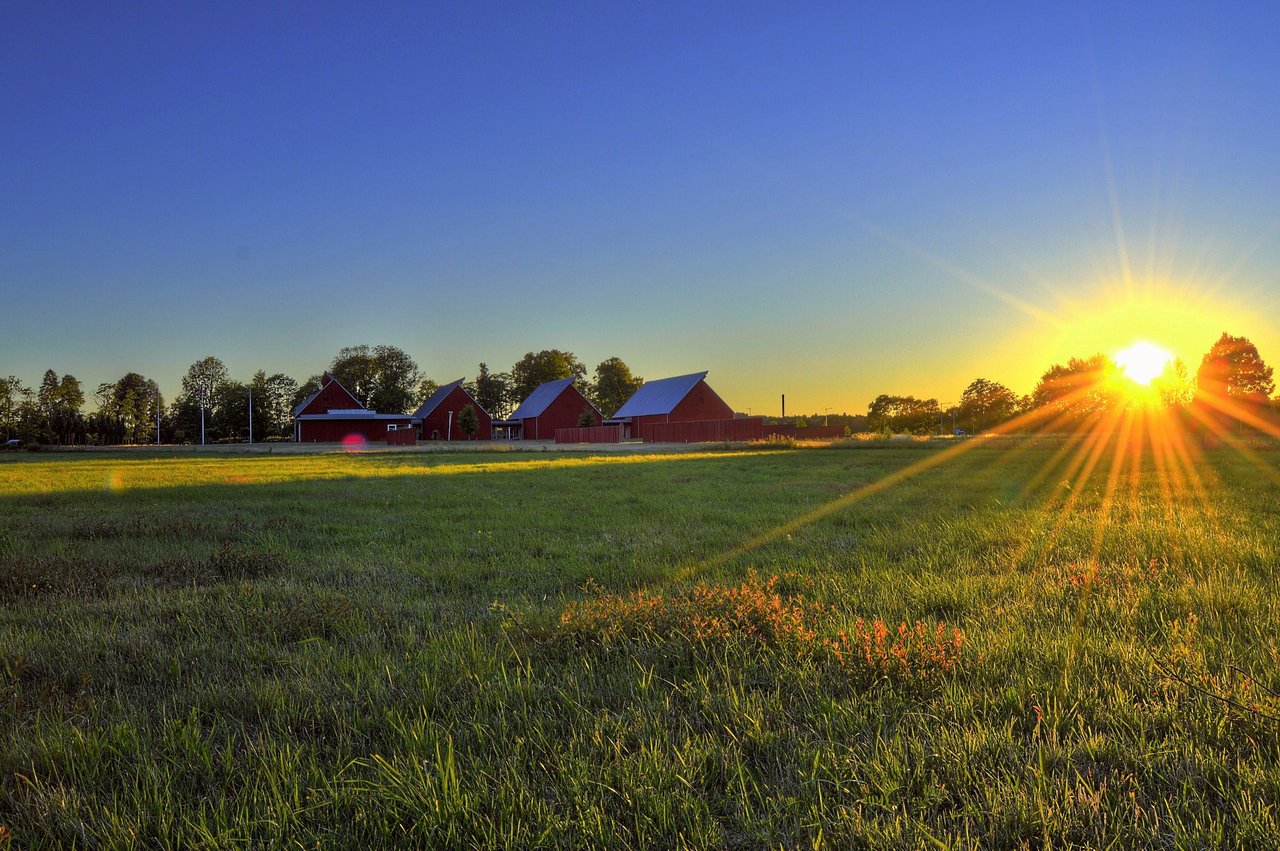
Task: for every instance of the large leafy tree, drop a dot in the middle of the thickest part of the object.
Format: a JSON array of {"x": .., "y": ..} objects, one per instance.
[
  {"x": 13, "y": 393},
  {"x": 546, "y": 365},
  {"x": 986, "y": 403},
  {"x": 493, "y": 391},
  {"x": 203, "y": 379},
  {"x": 127, "y": 410},
  {"x": 272, "y": 403},
  {"x": 903, "y": 414},
  {"x": 1233, "y": 368},
  {"x": 58, "y": 402},
  {"x": 383, "y": 378},
  {"x": 201, "y": 392},
  {"x": 614, "y": 385},
  {"x": 1077, "y": 389}
]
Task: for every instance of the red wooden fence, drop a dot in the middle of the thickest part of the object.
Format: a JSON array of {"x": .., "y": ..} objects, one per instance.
[
  {"x": 704, "y": 431},
  {"x": 596, "y": 434},
  {"x": 402, "y": 437}
]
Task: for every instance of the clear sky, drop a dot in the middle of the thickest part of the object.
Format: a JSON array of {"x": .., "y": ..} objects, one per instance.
[{"x": 830, "y": 201}]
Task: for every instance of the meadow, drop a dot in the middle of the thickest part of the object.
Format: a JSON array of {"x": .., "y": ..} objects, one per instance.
[{"x": 1027, "y": 644}]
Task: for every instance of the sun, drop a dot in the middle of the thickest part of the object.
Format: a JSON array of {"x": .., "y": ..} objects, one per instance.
[{"x": 1143, "y": 362}]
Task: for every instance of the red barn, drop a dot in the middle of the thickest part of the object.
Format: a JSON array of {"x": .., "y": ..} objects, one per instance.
[
  {"x": 682, "y": 399},
  {"x": 556, "y": 404},
  {"x": 438, "y": 416},
  {"x": 332, "y": 414}
]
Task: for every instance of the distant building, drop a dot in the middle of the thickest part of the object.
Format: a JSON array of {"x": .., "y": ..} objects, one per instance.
[
  {"x": 682, "y": 399},
  {"x": 332, "y": 414},
  {"x": 556, "y": 404},
  {"x": 437, "y": 419}
]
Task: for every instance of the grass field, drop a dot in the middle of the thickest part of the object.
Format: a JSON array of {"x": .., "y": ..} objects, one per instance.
[{"x": 540, "y": 650}]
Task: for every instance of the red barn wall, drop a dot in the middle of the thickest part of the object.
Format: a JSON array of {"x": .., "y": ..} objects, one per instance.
[
  {"x": 334, "y": 395},
  {"x": 438, "y": 420},
  {"x": 700, "y": 405},
  {"x": 561, "y": 413},
  {"x": 334, "y": 431}
]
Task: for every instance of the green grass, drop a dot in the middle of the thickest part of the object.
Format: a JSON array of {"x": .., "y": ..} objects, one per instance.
[{"x": 219, "y": 651}]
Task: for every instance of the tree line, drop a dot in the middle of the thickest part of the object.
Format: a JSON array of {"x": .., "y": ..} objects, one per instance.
[
  {"x": 132, "y": 410},
  {"x": 1232, "y": 375}
]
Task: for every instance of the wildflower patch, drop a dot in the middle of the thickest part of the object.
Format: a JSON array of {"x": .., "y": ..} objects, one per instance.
[{"x": 755, "y": 611}]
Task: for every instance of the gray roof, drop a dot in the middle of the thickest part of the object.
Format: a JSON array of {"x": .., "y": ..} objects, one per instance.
[
  {"x": 541, "y": 397},
  {"x": 437, "y": 397},
  {"x": 353, "y": 414},
  {"x": 659, "y": 397}
]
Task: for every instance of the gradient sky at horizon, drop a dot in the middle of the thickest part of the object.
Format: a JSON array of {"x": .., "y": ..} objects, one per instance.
[{"x": 831, "y": 201}]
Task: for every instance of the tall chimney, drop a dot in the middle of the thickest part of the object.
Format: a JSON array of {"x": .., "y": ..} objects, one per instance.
[{"x": 784, "y": 405}]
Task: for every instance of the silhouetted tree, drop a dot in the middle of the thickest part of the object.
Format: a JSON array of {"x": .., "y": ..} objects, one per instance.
[
  {"x": 382, "y": 378},
  {"x": 903, "y": 414},
  {"x": 986, "y": 403},
  {"x": 547, "y": 365},
  {"x": 1076, "y": 390},
  {"x": 1233, "y": 368},
  {"x": 492, "y": 391},
  {"x": 614, "y": 385},
  {"x": 12, "y": 394},
  {"x": 272, "y": 404},
  {"x": 126, "y": 410}
]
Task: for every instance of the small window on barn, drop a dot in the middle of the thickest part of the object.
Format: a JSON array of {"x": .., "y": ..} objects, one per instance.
[{"x": 391, "y": 426}]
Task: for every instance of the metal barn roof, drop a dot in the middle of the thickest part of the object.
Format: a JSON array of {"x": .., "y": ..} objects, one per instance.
[
  {"x": 541, "y": 397},
  {"x": 353, "y": 414},
  {"x": 659, "y": 397},
  {"x": 434, "y": 400},
  {"x": 440, "y": 395}
]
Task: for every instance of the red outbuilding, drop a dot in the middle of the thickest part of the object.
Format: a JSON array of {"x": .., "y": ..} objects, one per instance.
[
  {"x": 333, "y": 415},
  {"x": 682, "y": 399},
  {"x": 437, "y": 419},
  {"x": 554, "y": 405}
]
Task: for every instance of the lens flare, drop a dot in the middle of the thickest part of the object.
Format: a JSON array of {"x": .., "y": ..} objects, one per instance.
[{"x": 1143, "y": 362}]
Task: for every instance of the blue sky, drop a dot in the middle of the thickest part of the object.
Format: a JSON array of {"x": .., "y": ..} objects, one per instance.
[{"x": 829, "y": 201}]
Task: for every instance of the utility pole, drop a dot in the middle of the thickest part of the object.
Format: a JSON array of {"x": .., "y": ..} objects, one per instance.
[
  {"x": 251, "y": 416},
  {"x": 157, "y": 417},
  {"x": 202, "y": 416}
]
